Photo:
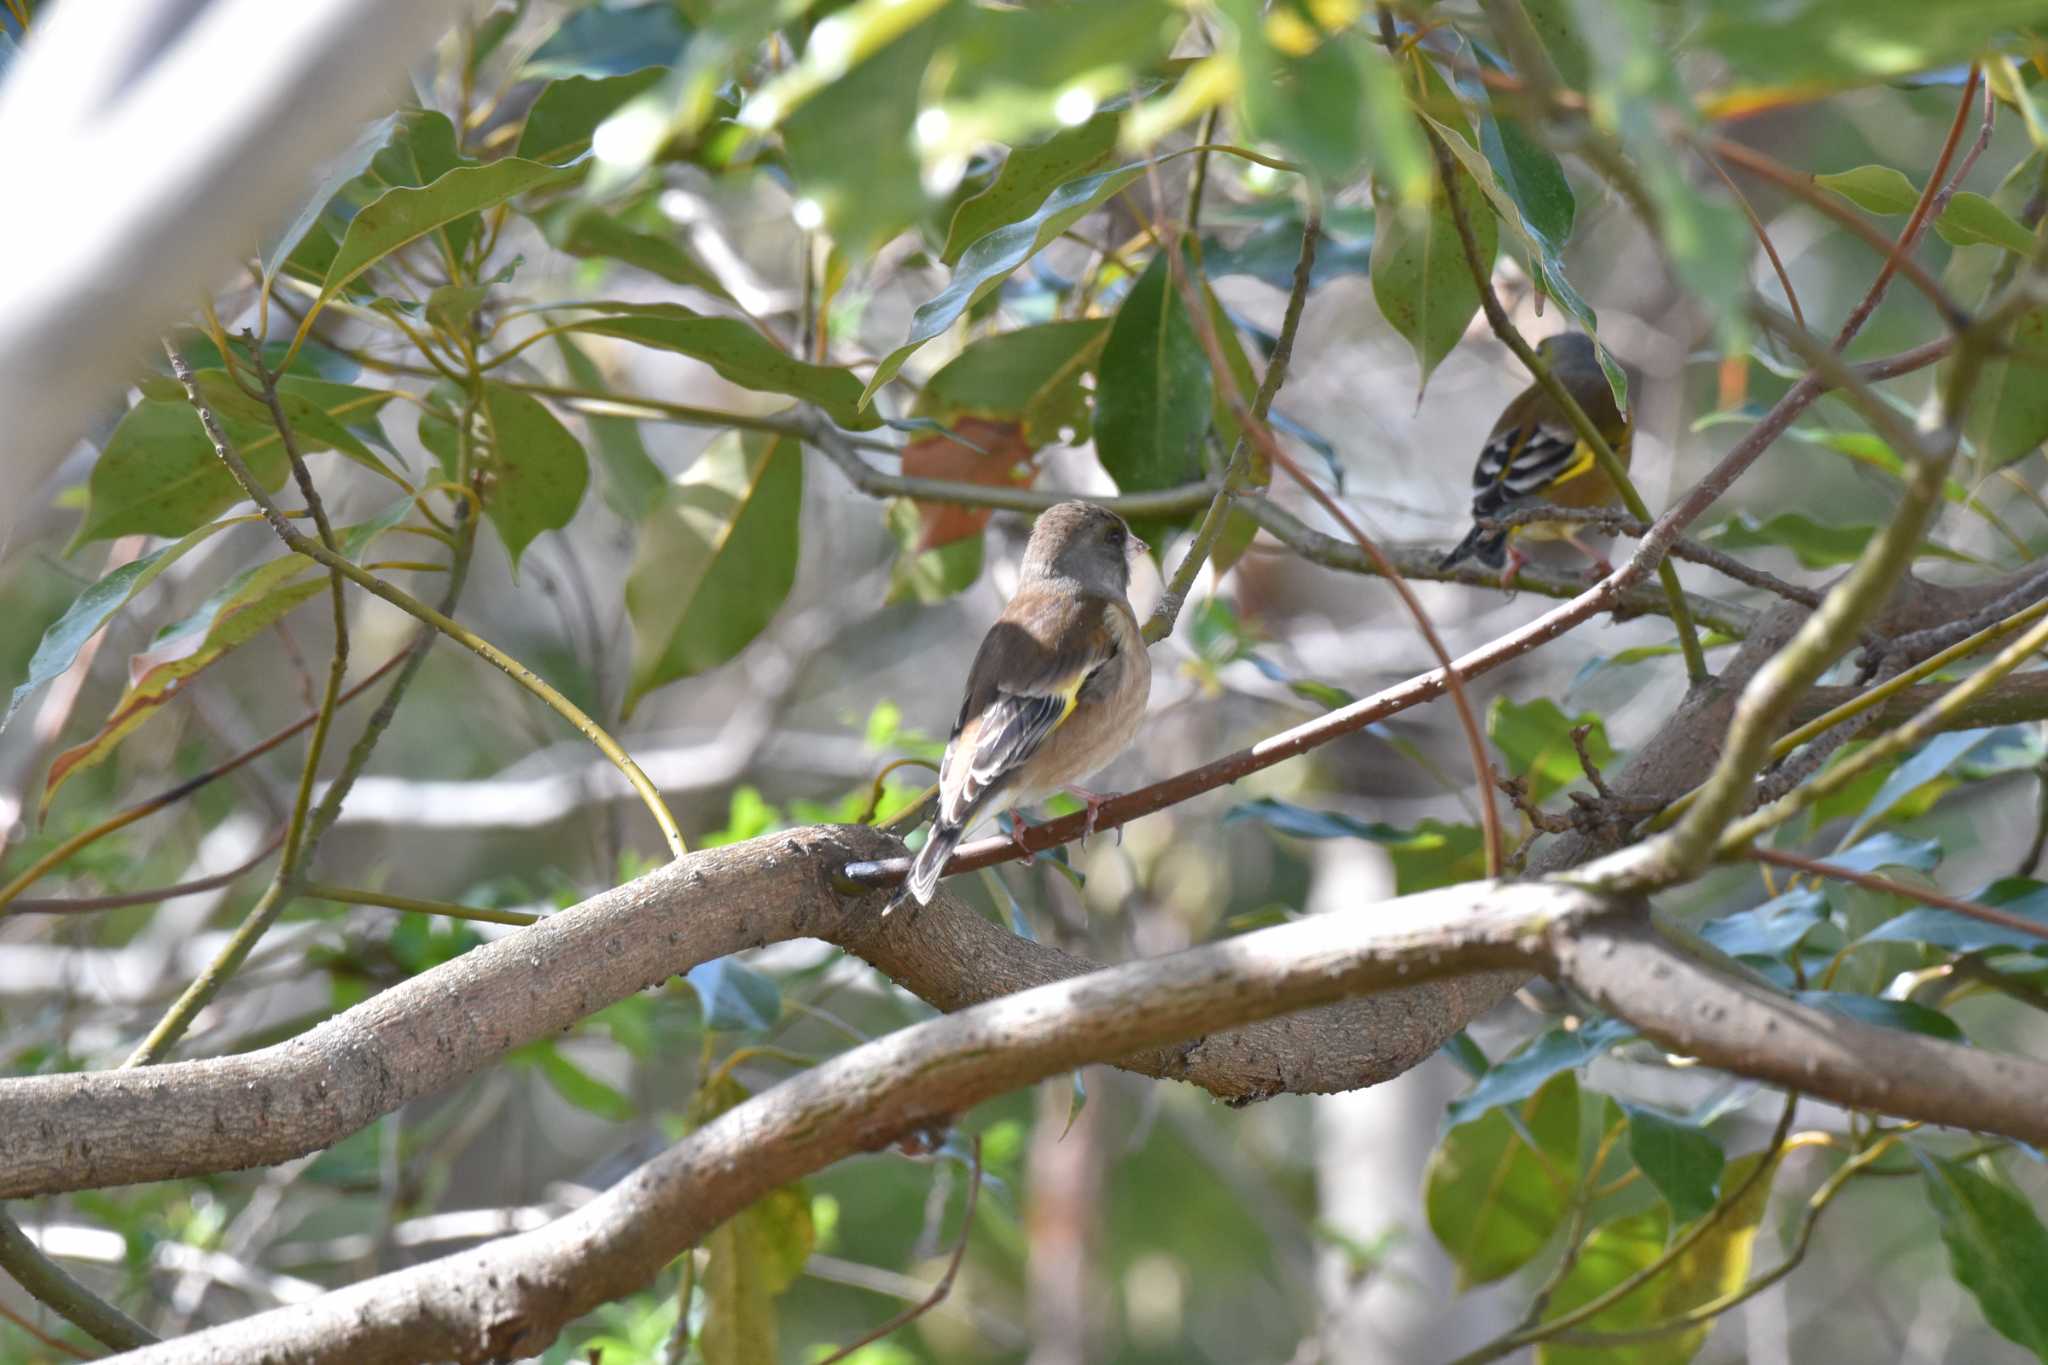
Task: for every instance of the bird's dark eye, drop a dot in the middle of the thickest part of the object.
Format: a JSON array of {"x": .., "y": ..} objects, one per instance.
[{"x": 1117, "y": 536}]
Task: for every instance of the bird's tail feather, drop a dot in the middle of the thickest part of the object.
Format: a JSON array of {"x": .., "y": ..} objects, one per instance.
[
  {"x": 931, "y": 859},
  {"x": 1488, "y": 547}
]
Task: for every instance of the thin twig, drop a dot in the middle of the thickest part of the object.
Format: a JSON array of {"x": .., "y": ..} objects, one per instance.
[
  {"x": 1817, "y": 867},
  {"x": 1756, "y": 225},
  {"x": 945, "y": 1284},
  {"x": 50, "y": 861},
  {"x": 337, "y": 669},
  {"x": 1614, "y": 521},
  {"x": 347, "y": 895},
  {"x": 79, "y": 905},
  {"x": 1239, "y": 466},
  {"x": 1802, "y": 187}
]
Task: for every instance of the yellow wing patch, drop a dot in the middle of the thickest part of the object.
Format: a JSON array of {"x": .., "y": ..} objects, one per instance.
[{"x": 1582, "y": 462}]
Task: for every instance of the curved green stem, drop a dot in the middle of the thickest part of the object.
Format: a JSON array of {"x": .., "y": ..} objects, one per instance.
[{"x": 347, "y": 895}]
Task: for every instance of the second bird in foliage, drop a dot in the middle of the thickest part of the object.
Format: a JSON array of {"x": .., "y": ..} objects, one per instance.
[
  {"x": 1534, "y": 455},
  {"x": 1057, "y": 688}
]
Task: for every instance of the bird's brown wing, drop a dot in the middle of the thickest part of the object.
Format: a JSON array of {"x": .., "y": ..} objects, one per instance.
[{"x": 1025, "y": 682}]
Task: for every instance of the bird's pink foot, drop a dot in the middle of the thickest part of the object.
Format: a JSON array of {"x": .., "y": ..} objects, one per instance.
[
  {"x": 1516, "y": 559},
  {"x": 1016, "y": 826},
  {"x": 1092, "y": 803}
]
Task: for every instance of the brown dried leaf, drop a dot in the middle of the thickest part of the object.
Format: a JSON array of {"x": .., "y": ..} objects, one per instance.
[{"x": 1007, "y": 464}]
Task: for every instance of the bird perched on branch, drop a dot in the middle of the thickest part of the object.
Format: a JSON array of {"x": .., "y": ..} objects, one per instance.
[
  {"x": 1056, "y": 690},
  {"x": 1534, "y": 455}
]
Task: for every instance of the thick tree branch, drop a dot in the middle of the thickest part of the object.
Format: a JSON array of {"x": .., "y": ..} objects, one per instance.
[{"x": 513, "y": 1296}]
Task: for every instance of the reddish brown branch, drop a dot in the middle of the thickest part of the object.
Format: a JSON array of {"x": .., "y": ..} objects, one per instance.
[{"x": 2004, "y": 919}]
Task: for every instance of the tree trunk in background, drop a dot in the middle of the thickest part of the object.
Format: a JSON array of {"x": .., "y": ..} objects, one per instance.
[{"x": 1062, "y": 1216}]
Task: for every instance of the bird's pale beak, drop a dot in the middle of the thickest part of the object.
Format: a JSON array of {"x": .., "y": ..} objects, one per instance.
[{"x": 1135, "y": 547}]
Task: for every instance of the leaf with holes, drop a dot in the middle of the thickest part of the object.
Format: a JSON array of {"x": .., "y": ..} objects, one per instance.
[{"x": 716, "y": 560}]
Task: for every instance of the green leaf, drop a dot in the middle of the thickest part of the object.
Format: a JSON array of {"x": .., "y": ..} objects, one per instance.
[
  {"x": 538, "y": 470},
  {"x": 632, "y": 481},
  {"x": 1420, "y": 278},
  {"x": 1996, "y": 1247},
  {"x": 159, "y": 475},
  {"x": 1031, "y": 376},
  {"x": 1430, "y": 855},
  {"x": 609, "y": 40},
  {"x": 249, "y": 604},
  {"x": 1523, "y": 1074},
  {"x": 576, "y": 1085},
  {"x": 1889, "y": 850},
  {"x": 582, "y": 229},
  {"x": 1553, "y": 24},
  {"x": 739, "y": 354},
  {"x": 2009, "y": 419},
  {"x": 1972, "y": 220},
  {"x": 1818, "y": 545},
  {"x": 988, "y": 261},
  {"x": 1874, "y": 189},
  {"x": 1153, "y": 389},
  {"x": 1681, "y": 1159},
  {"x": 1771, "y": 929},
  {"x": 93, "y": 608},
  {"x": 1536, "y": 740},
  {"x": 849, "y": 145},
  {"x": 404, "y": 215},
  {"x": 1929, "y": 762},
  {"x": 1533, "y": 178},
  {"x": 1715, "y": 1265},
  {"x": 1492, "y": 1198},
  {"x": 1836, "y": 43},
  {"x": 734, "y": 997},
  {"x": 327, "y": 182},
  {"x": 1028, "y": 175},
  {"x": 1962, "y": 934},
  {"x": 1272, "y": 250},
  {"x": 1904, "y": 1015},
  {"x": 1528, "y": 174},
  {"x": 314, "y": 409},
  {"x": 928, "y": 576},
  {"x": 749, "y": 1260},
  {"x": 559, "y": 125},
  {"x": 716, "y": 558},
  {"x": 1309, "y": 104}
]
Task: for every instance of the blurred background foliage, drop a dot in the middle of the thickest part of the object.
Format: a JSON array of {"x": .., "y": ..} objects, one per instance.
[{"x": 581, "y": 273}]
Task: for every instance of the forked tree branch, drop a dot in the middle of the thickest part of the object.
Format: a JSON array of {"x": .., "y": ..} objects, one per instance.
[{"x": 513, "y": 1296}]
